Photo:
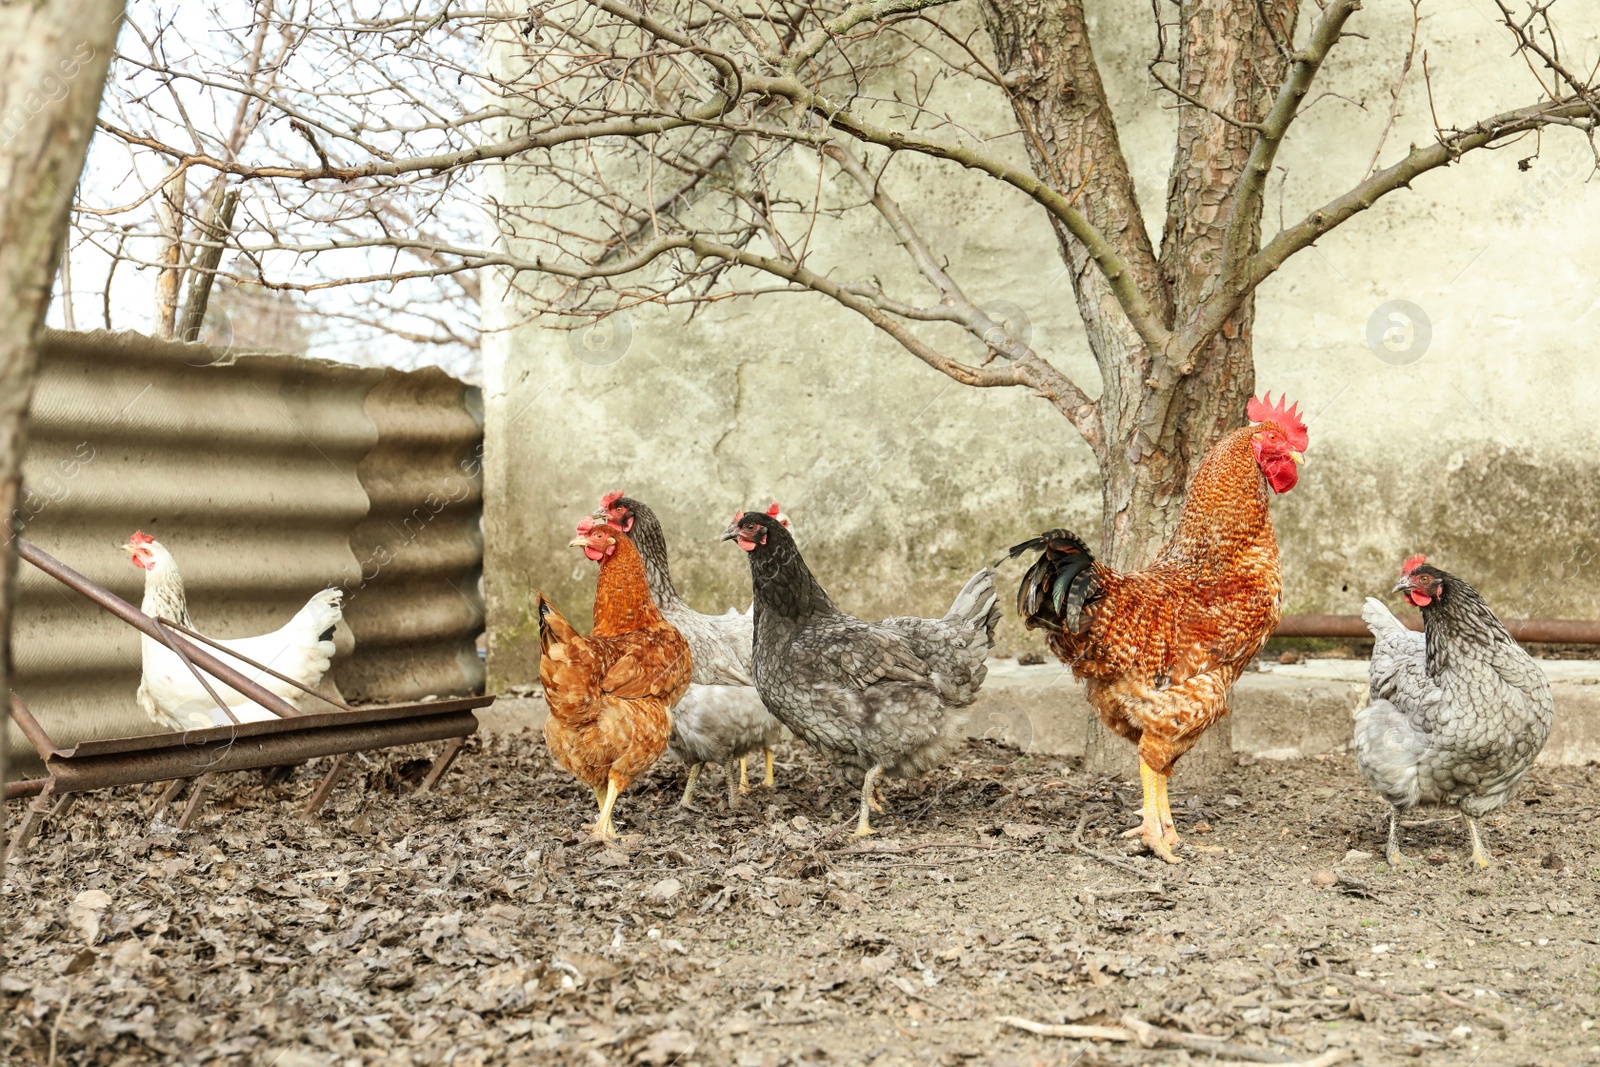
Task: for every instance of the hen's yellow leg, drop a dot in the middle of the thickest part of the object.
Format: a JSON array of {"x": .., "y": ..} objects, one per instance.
[
  {"x": 1149, "y": 830},
  {"x": 744, "y": 776},
  {"x": 688, "y": 790},
  {"x": 768, "y": 753},
  {"x": 1479, "y": 856},
  {"x": 602, "y": 827},
  {"x": 863, "y": 827}
]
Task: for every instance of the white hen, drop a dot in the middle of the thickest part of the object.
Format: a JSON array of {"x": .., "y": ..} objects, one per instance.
[{"x": 173, "y": 697}]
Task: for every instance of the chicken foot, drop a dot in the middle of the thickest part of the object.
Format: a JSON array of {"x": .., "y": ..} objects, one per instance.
[
  {"x": 744, "y": 773},
  {"x": 1479, "y": 856},
  {"x": 733, "y": 783},
  {"x": 688, "y": 790},
  {"x": 1391, "y": 852},
  {"x": 863, "y": 827},
  {"x": 603, "y": 827},
  {"x": 1156, "y": 829}
]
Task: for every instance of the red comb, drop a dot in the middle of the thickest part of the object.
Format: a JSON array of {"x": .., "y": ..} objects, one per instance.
[
  {"x": 585, "y": 526},
  {"x": 141, "y": 538},
  {"x": 774, "y": 510},
  {"x": 1263, "y": 409},
  {"x": 1412, "y": 564},
  {"x": 609, "y": 499}
]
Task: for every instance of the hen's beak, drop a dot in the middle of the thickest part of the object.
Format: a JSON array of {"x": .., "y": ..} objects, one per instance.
[
  {"x": 1298, "y": 457},
  {"x": 730, "y": 533},
  {"x": 1401, "y": 586},
  {"x": 578, "y": 542}
]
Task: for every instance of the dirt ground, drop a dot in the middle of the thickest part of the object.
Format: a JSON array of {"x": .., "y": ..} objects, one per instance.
[{"x": 480, "y": 925}]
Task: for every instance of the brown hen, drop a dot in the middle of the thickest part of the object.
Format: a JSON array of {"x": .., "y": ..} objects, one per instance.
[
  {"x": 611, "y": 691},
  {"x": 1158, "y": 649}
]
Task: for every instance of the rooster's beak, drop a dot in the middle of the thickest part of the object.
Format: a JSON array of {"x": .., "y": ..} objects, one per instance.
[
  {"x": 1298, "y": 457},
  {"x": 578, "y": 542}
]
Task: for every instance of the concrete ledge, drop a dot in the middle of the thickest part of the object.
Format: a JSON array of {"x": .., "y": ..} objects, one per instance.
[{"x": 1279, "y": 712}]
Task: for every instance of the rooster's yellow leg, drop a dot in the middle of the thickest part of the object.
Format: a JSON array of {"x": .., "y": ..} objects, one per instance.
[
  {"x": 1169, "y": 829},
  {"x": 863, "y": 827},
  {"x": 768, "y": 753},
  {"x": 688, "y": 790},
  {"x": 602, "y": 827},
  {"x": 744, "y": 776},
  {"x": 1149, "y": 829},
  {"x": 1479, "y": 856}
]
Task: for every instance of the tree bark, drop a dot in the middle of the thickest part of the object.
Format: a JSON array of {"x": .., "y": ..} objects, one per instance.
[
  {"x": 1159, "y": 410},
  {"x": 53, "y": 60}
]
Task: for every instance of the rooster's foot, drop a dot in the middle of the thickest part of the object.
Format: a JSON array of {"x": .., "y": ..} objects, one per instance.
[
  {"x": 1169, "y": 834},
  {"x": 1158, "y": 845}
]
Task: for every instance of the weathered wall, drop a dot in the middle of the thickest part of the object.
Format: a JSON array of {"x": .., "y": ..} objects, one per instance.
[
  {"x": 1481, "y": 450},
  {"x": 269, "y": 478}
]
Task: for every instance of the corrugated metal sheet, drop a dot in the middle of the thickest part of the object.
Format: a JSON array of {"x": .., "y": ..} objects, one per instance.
[{"x": 269, "y": 477}]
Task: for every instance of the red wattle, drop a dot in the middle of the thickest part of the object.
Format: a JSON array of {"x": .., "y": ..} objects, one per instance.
[
  {"x": 1417, "y": 599},
  {"x": 747, "y": 545},
  {"x": 593, "y": 553}
]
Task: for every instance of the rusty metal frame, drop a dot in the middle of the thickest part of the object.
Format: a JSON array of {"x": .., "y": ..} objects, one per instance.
[
  {"x": 1537, "y": 631},
  {"x": 199, "y": 754}
]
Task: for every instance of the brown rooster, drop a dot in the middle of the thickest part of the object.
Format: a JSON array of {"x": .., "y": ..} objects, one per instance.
[
  {"x": 1158, "y": 649},
  {"x": 611, "y": 691}
]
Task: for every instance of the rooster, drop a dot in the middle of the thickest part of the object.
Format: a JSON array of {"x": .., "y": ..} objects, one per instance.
[
  {"x": 1458, "y": 712},
  {"x": 721, "y": 719},
  {"x": 610, "y": 691},
  {"x": 1159, "y": 649},
  {"x": 878, "y": 698},
  {"x": 173, "y": 697}
]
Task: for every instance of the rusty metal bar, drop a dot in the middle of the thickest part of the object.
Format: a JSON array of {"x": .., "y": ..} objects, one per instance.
[
  {"x": 32, "y": 730},
  {"x": 31, "y": 818},
  {"x": 25, "y": 787},
  {"x": 146, "y": 625},
  {"x": 441, "y": 765},
  {"x": 197, "y": 794},
  {"x": 324, "y": 787},
  {"x": 1548, "y": 631},
  {"x": 258, "y": 666}
]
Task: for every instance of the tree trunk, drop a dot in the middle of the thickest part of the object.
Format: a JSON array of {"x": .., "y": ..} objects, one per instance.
[
  {"x": 1232, "y": 55},
  {"x": 53, "y": 60}
]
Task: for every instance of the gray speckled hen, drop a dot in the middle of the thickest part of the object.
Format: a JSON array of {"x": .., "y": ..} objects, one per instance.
[
  {"x": 1458, "y": 712},
  {"x": 878, "y": 697},
  {"x": 721, "y": 719}
]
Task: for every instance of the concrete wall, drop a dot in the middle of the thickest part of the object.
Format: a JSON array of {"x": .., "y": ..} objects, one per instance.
[{"x": 1480, "y": 450}]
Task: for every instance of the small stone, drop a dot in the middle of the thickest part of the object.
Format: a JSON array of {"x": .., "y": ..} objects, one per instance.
[
  {"x": 664, "y": 890},
  {"x": 1355, "y": 855},
  {"x": 1290, "y": 656},
  {"x": 1552, "y": 862},
  {"x": 1438, "y": 859},
  {"x": 1324, "y": 878}
]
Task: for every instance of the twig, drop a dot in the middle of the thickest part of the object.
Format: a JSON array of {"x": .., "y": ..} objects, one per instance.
[
  {"x": 1110, "y": 861},
  {"x": 1149, "y": 1036},
  {"x": 857, "y": 850},
  {"x": 55, "y": 1029},
  {"x": 1465, "y": 1005}
]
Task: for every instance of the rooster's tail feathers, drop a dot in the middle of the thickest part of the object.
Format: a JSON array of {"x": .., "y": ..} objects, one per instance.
[
  {"x": 1060, "y": 585},
  {"x": 553, "y": 626}
]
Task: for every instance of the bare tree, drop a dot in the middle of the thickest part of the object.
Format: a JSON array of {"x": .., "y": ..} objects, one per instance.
[
  {"x": 53, "y": 60},
  {"x": 655, "y": 130}
]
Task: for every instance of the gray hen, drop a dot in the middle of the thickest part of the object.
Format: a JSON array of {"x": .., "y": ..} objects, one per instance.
[
  {"x": 721, "y": 719},
  {"x": 1458, "y": 712},
  {"x": 876, "y": 697}
]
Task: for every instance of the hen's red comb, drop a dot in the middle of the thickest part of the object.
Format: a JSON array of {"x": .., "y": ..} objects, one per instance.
[
  {"x": 774, "y": 510},
  {"x": 586, "y": 526},
  {"x": 141, "y": 538},
  {"x": 609, "y": 499},
  {"x": 1412, "y": 564},
  {"x": 1263, "y": 409}
]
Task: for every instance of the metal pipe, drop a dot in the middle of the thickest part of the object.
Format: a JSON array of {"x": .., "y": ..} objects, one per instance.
[
  {"x": 172, "y": 642},
  {"x": 146, "y": 625},
  {"x": 32, "y": 730},
  {"x": 25, "y": 787},
  {"x": 303, "y": 687},
  {"x": 1548, "y": 631}
]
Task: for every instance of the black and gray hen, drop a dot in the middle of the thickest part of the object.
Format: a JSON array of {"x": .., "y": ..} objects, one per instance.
[
  {"x": 721, "y": 719},
  {"x": 878, "y": 698},
  {"x": 1458, "y": 713}
]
